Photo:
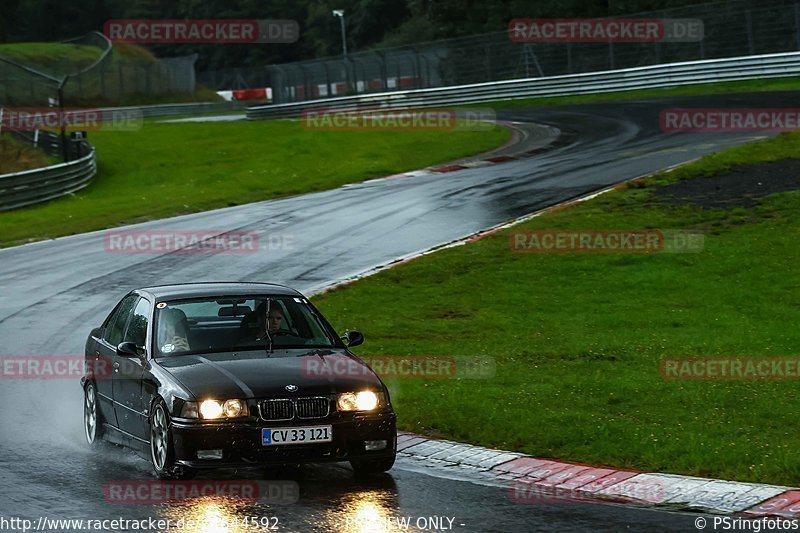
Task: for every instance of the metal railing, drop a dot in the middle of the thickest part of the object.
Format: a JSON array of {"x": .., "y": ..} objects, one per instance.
[
  {"x": 30, "y": 187},
  {"x": 171, "y": 110},
  {"x": 649, "y": 77}
]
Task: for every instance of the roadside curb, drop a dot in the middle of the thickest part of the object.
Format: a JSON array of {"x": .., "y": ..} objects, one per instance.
[
  {"x": 522, "y": 145},
  {"x": 534, "y": 480}
]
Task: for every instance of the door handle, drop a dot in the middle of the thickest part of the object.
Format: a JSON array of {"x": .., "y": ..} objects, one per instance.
[{"x": 115, "y": 366}]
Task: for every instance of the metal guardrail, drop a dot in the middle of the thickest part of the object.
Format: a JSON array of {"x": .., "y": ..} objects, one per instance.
[
  {"x": 41, "y": 184},
  {"x": 171, "y": 110},
  {"x": 649, "y": 77}
]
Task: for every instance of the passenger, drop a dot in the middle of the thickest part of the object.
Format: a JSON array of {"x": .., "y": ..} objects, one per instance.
[{"x": 174, "y": 331}]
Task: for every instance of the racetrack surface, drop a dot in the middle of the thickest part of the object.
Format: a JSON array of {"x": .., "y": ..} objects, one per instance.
[{"x": 54, "y": 292}]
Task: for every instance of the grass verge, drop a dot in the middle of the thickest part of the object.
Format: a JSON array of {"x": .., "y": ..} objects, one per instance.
[
  {"x": 164, "y": 170},
  {"x": 16, "y": 156},
  {"x": 52, "y": 58},
  {"x": 577, "y": 338}
]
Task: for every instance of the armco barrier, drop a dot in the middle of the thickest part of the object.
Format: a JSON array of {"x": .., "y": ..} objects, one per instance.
[
  {"x": 39, "y": 185},
  {"x": 650, "y": 77},
  {"x": 171, "y": 110}
]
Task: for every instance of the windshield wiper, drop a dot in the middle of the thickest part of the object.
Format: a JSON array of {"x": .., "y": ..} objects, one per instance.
[{"x": 320, "y": 353}]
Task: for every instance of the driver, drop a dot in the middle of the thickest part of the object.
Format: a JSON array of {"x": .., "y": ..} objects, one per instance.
[
  {"x": 268, "y": 318},
  {"x": 269, "y": 321}
]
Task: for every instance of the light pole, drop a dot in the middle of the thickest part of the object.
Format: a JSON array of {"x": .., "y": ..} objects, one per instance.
[{"x": 340, "y": 13}]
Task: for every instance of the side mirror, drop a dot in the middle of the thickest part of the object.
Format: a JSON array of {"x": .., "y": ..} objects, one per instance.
[
  {"x": 127, "y": 349},
  {"x": 353, "y": 338}
]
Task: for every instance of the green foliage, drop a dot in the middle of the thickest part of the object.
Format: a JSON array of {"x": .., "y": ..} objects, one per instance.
[{"x": 370, "y": 23}]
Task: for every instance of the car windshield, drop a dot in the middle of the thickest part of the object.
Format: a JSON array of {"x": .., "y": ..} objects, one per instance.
[{"x": 236, "y": 324}]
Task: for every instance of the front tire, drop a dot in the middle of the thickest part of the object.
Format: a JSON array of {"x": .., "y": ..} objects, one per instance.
[
  {"x": 364, "y": 467},
  {"x": 92, "y": 419},
  {"x": 162, "y": 449}
]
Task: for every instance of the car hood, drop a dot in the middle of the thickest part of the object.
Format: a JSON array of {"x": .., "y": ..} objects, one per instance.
[{"x": 252, "y": 374}]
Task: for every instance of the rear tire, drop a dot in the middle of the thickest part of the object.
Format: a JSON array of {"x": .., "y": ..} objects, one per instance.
[
  {"x": 364, "y": 467},
  {"x": 162, "y": 449},
  {"x": 92, "y": 419}
]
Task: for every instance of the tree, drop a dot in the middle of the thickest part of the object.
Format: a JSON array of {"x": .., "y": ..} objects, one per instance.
[{"x": 8, "y": 10}]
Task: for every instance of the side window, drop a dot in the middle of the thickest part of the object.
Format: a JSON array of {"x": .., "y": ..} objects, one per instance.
[
  {"x": 116, "y": 326},
  {"x": 137, "y": 329}
]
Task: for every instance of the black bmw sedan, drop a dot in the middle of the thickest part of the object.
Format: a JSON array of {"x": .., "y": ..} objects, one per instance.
[{"x": 214, "y": 375}]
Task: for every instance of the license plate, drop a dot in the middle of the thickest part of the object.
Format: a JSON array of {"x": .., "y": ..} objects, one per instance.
[{"x": 296, "y": 435}]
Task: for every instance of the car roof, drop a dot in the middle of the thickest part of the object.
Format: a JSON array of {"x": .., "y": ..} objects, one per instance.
[{"x": 216, "y": 288}]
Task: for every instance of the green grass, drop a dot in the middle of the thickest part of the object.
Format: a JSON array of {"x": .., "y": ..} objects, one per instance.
[
  {"x": 775, "y": 84},
  {"x": 51, "y": 57},
  {"x": 577, "y": 338},
  {"x": 170, "y": 169}
]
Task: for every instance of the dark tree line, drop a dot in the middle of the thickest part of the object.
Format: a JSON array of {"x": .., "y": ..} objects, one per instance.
[{"x": 370, "y": 23}]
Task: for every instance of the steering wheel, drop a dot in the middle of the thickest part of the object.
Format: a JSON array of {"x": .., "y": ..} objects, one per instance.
[{"x": 280, "y": 333}]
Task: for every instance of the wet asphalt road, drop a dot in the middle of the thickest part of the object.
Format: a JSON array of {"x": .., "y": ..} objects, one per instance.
[{"x": 54, "y": 292}]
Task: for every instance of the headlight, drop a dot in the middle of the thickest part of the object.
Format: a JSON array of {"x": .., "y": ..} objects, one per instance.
[
  {"x": 233, "y": 408},
  {"x": 213, "y": 409},
  {"x": 358, "y": 401}
]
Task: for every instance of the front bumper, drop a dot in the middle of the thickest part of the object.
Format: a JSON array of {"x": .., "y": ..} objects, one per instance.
[{"x": 241, "y": 442}]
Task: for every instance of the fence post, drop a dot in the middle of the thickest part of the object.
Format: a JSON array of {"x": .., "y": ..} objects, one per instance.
[
  {"x": 328, "y": 79},
  {"x": 611, "y": 55},
  {"x": 569, "y": 57},
  {"x": 147, "y": 78},
  {"x": 417, "y": 69},
  {"x": 750, "y": 42},
  {"x": 102, "y": 76},
  {"x": 347, "y": 79},
  {"x": 64, "y": 148},
  {"x": 384, "y": 74},
  {"x": 121, "y": 80}
]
